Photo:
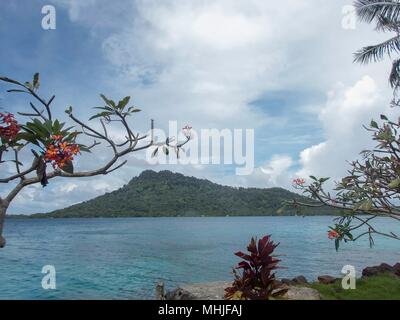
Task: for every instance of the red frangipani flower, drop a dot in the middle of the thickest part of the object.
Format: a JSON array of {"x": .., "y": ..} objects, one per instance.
[
  {"x": 9, "y": 127},
  {"x": 333, "y": 235},
  {"x": 59, "y": 152}
]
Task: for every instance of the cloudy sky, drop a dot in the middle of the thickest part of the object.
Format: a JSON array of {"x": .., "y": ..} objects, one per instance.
[{"x": 285, "y": 70}]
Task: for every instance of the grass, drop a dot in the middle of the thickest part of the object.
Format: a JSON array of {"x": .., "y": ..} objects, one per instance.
[{"x": 382, "y": 287}]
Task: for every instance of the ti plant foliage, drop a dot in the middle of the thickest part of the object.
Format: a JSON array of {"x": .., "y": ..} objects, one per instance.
[{"x": 257, "y": 278}]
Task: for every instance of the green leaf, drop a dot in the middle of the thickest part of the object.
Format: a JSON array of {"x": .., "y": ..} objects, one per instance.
[
  {"x": 101, "y": 114},
  {"x": 28, "y": 137},
  {"x": 83, "y": 148},
  {"x": 366, "y": 205},
  {"x": 154, "y": 153},
  {"x": 166, "y": 150},
  {"x": 5, "y": 79},
  {"x": 337, "y": 244},
  {"x": 394, "y": 184},
  {"x": 108, "y": 101},
  {"x": 383, "y": 117},
  {"x": 68, "y": 167},
  {"x": 68, "y": 110},
  {"x": 16, "y": 90},
  {"x": 374, "y": 124},
  {"x": 132, "y": 110},
  {"x": 122, "y": 104},
  {"x": 36, "y": 82}
]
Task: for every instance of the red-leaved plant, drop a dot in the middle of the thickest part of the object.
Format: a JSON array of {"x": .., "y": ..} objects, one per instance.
[{"x": 257, "y": 279}]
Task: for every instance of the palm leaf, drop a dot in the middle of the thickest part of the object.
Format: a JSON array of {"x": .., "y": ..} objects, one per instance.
[
  {"x": 385, "y": 25},
  {"x": 377, "y": 52},
  {"x": 368, "y": 10},
  {"x": 394, "y": 78}
]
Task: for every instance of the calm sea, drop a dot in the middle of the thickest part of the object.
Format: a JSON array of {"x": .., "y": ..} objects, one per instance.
[{"x": 124, "y": 258}]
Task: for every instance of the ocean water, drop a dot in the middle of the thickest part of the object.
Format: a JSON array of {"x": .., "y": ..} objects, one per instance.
[{"x": 125, "y": 258}]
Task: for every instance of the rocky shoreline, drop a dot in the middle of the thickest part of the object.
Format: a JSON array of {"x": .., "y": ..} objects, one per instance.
[{"x": 297, "y": 287}]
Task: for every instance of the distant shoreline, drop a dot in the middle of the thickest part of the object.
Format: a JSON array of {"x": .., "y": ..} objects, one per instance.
[{"x": 30, "y": 217}]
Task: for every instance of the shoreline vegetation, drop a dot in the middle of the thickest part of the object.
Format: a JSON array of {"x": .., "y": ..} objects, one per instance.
[
  {"x": 168, "y": 194},
  {"x": 377, "y": 283}
]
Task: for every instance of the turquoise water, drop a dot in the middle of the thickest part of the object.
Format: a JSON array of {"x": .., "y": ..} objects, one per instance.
[{"x": 124, "y": 258}]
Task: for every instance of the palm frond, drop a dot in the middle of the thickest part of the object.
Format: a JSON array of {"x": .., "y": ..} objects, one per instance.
[
  {"x": 368, "y": 10},
  {"x": 377, "y": 52},
  {"x": 394, "y": 78},
  {"x": 385, "y": 25}
]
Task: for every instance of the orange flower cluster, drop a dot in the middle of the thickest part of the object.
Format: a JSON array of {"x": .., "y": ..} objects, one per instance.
[
  {"x": 9, "y": 127},
  {"x": 59, "y": 152},
  {"x": 333, "y": 235}
]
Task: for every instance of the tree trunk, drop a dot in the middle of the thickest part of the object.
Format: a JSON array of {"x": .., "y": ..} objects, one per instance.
[{"x": 3, "y": 210}]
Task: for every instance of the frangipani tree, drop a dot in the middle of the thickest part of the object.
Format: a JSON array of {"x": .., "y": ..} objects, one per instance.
[
  {"x": 371, "y": 190},
  {"x": 52, "y": 145}
]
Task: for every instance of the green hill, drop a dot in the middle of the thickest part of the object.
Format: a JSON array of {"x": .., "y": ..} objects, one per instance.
[{"x": 165, "y": 193}]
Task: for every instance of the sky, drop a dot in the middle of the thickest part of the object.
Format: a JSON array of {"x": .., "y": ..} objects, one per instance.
[{"x": 285, "y": 71}]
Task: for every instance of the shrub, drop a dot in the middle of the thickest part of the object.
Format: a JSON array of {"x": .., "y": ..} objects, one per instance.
[{"x": 257, "y": 279}]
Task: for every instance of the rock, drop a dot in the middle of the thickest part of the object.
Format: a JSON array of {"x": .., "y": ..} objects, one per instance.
[
  {"x": 371, "y": 271},
  {"x": 179, "y": 294},
  {"x": 277, "y": 283},
  {"x": 302, "y": 293},
  {"x": 326, "y": 279},
  {"x": 216, "y": 291},
  {"x": 280, "y": 291},
  {"x": 287, "y": 282},
  {"x": 396, "y": 269},
  {"x": 384, "y": 267},
  {"x": 207, "y": 291},
  {"x": 300, "y": 280},
  {"x": 160, "y": 291}
]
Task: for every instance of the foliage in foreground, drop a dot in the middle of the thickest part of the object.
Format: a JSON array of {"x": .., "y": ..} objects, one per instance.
[
  {"x": 371, "y": 190},
  {"x": 256, "y": 281},
  {"x": 381, "y": 287},
  {"x": 38, "y": 147}
]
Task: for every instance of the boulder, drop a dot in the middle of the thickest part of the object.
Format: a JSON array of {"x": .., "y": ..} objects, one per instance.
[
  {"x": 300, "y": 280},
  {"x": 326, "y": 279},
  {"x": 371, "y": 271},
  {"x": 179, "y": 294},
  {"x": 288, "y": 282},
  {"x": 396, "y": 269},
  {"x": 384, "y": 267},
  {"x": 160, "y": 291}
]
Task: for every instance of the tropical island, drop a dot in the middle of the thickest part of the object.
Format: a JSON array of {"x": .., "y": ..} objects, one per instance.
[{"x": 168, "y": 194}]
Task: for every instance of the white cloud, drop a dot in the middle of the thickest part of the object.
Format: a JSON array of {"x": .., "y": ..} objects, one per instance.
[
  {"x": 343, "y": 117},
  {"x": 205, "y": 62}
]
